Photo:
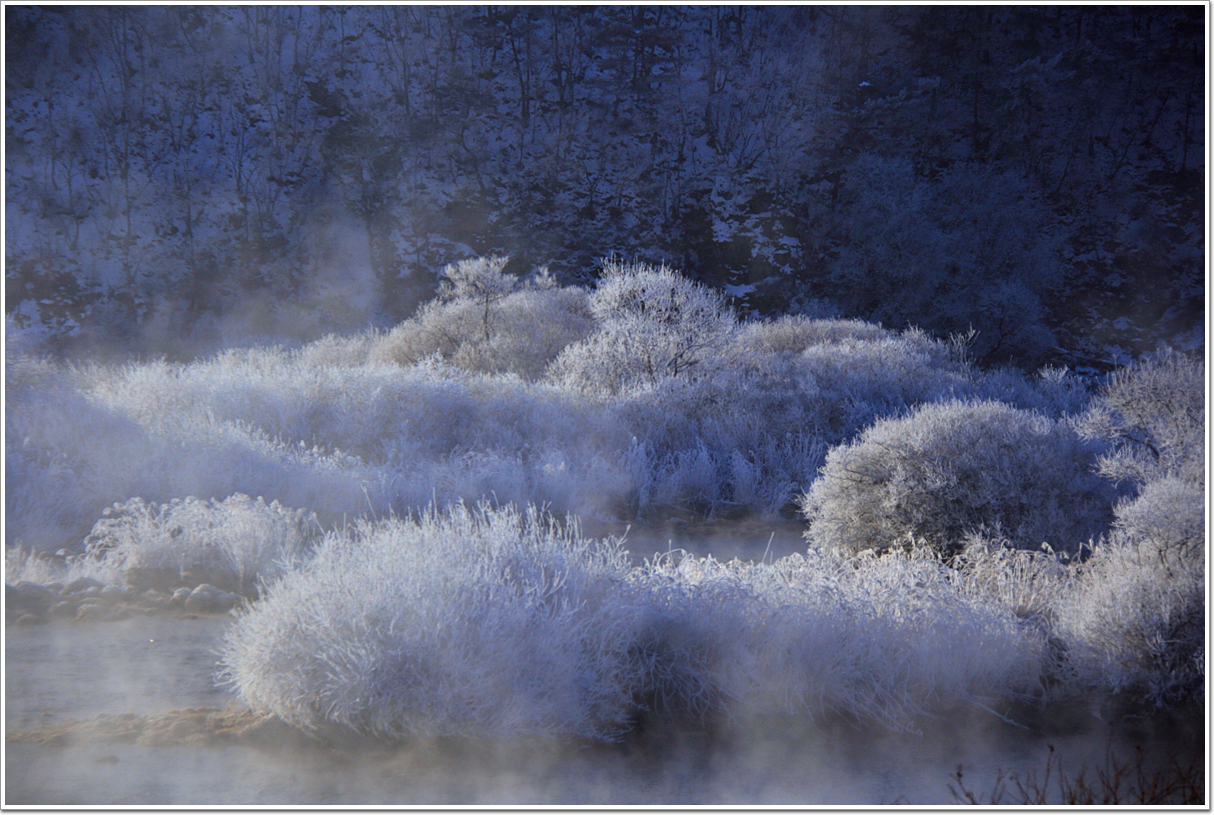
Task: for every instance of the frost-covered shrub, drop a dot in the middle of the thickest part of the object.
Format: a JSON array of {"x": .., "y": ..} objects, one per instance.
[
  {"x": 953, "y": 468},
  {"x": 753, "y": 434},
  {"x": 1136, "y": 622},
  {"x": 23, "y": 565},
  {"x": 1055, "y": 391},
  {"x": 520, "y": 332},
  {"x": 734, "y": 440},
  {"x": 349, "y": 440},
  {"x": 871, "y": 639},
  {"x": 338, "y": 351},
  {"x": 943, "y": 642},
  {"x": 858, "y": 381},
  {"x": 85, "y": 437},
  {"x": 501, "y": 621},
  {"x": 792, "y": 334},
  {"x": 475, "y": 621},
  {"x": 221, "y": 426},
  {"x": 1154, "y": 414},
  {"x": 533, "y": 326},
  {"x": 481, "y": 281},
  {"x": 653, "y": 323},
  {"x": 237, "y": 544},
  {"x": 1168, "y": 512}
]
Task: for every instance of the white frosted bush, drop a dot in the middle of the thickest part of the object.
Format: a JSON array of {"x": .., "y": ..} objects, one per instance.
[
  {"x": 380, "y": 413},
  {"x": 533, "y": 327},
  {"x": 733, "y": 421},
  {"x": 339, "y": 351},
  {"x": 72, "y": 452},
  {"x": 1055, "y": 391},
  {"x": 736, "y": 439},
  {"x": 236, "y": 544},
  {"x": 953, "y": 468},
  {"x": 244, "y": 421},
  {"x": 484, "y": 322},
  {"x": 952, "y": 645},
  {"x": 475, "y": 621},
  {"x": 338, "y": 440},
  {"x": 481, "y": 281},
  {"x": 792, "y": 334},
  {"x": 857, "y": 381},
  {"x": 882, "y": 640},
  {"x": 1030, "y": 583},
  {"x": 1169, "y": 513},
  {"x": 1154, "y": 414},
  {"x": 753, "y": 433},
  {"x": 30, "y": 566},
  {"x": 1137, "y": 621},
  {"x": 653, "y": 323},
  {"x": 529, "y": 329}
]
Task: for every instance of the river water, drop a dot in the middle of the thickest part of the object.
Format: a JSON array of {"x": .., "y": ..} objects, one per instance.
[{"x": 64, "y": 671}]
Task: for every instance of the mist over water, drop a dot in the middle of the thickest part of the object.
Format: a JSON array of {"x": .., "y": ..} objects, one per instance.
[
  {"x": 622, "y": 656},
  {"x": 62, "y": 672},
  {"x": 406, "y": 569}
]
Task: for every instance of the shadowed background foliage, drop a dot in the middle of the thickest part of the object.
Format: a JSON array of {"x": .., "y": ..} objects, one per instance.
[{"x": 182, "y": 178}]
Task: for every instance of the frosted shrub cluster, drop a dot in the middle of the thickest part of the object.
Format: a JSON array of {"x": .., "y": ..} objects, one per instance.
[
  {"x": 486, "y": 322},
  {"x": 953, "y": 468},
  {"x": 1138, "y": 621},
  {"x": 1154, "y": 414},
  {"x": 502, "y": 621},
  {"x": 792, "y": 334},
  {"x": 333, "y": 427},
  {"x": 929, "y": 488},
  {"x": 473, "y": 621},
  {"x": 377, "y": 437},
  {"x": 1033, "y": 584},
  {"x": 639, "y": 396},
  {"x": 236, "y": 544},
  {"x": 653, "y": 323},
  {"x": 877, "y": 639}
]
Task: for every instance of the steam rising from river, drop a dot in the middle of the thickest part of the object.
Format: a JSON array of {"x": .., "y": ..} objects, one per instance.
[
  {"x": 69, "y": 670},
  {"x": 400, "y": 513}
]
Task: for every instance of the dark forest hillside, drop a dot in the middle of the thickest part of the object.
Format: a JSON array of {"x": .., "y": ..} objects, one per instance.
[{"x": 184, "y": 177}]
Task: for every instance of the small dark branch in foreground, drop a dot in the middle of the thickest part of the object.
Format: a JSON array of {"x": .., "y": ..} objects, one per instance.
[{"x": 1116, "y": 783}]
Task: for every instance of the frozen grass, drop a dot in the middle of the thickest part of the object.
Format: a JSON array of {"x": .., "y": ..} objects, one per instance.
[
  {"x": 237, "y": 544},
  {"x": 23, "y": 565}
]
